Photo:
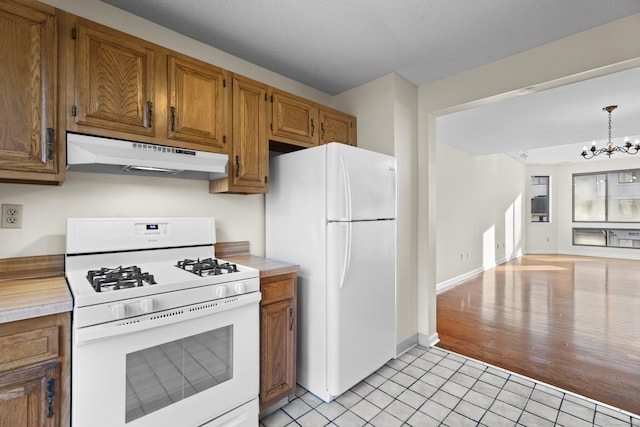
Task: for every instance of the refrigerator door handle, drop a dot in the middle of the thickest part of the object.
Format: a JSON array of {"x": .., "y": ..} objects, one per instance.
[
  {"x": 347, "y": 188},
  {"x": 347, "y": 253}
]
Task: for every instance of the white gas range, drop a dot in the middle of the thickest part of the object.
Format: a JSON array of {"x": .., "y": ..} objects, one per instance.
[{"x": 170, "y": 333}]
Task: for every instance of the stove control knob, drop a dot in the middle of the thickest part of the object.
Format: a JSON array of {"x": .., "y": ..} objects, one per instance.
[
  {"x": 147, "y": 305},
  {"x": 118, "y": 311},
  {"x": 221, "y": 291},
  {"x": 239, "y": 288}
]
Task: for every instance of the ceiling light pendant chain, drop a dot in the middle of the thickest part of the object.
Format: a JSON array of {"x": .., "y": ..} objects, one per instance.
[
  {"x": 609, "y": 110},
  {"x": 610, "y": 148}
]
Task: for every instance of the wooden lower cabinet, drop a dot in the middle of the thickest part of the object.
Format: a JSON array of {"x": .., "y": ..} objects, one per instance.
[
  {"x": 31, "y": 397},
  {"x": 34, "y": 372},
  {"x": 278, "y": 319}
]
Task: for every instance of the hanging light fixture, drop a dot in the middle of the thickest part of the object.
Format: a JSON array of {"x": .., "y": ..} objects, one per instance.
[{"x": 610, "y": 148}]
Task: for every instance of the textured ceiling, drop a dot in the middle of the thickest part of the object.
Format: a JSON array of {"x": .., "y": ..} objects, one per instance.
[{"x": 335, "y": 45}]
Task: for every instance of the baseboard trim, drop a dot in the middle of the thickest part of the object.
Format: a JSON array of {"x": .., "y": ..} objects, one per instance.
[
  {"x": 406, "y": 345},
  {"x": 588, "y": 253},
  {"x": 443, "y": 286},
  {"x": 428, "y": 340},
  {"x": 542, "y": 252}
]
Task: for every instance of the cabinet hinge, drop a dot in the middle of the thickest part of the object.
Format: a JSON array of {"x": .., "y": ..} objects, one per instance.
[
  {"x": 49, "y": 143},
  {"x": 291, "y": 319},
  {"x": 74, "y": 33},
  {"x": 74, "y": 110}
]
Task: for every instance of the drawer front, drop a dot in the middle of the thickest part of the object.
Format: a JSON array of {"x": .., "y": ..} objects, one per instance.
[
  {"x": 278, "y": 290},
  {"x": 29, "y": 347}
]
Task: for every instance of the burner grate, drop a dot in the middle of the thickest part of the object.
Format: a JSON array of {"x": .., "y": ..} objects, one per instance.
[
  {"x": 207, "y": 267},
  {"x": 112, "y": 279}
]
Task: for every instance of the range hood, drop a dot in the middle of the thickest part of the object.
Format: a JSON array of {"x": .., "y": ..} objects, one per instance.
[{"x": 87, "y": 153}]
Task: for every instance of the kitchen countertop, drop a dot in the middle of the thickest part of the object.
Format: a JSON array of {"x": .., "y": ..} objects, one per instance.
[
  {"x": 238, "y": 252},
  {"x": 34, "y": 297},
  {"x": 268, "y": 267}
]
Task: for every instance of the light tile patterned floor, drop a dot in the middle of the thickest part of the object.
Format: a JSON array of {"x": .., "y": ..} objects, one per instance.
[{"x": 433, "y": 387}]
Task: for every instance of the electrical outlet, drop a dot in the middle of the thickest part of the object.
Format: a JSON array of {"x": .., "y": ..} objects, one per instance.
[{"x": 11, "y": 216}]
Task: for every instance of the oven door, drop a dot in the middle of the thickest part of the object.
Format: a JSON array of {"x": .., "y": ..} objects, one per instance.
[{"x": 182, "y": 367}]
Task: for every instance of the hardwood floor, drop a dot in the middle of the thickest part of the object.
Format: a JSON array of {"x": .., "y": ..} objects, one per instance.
[{"x": 572, "y": 322}]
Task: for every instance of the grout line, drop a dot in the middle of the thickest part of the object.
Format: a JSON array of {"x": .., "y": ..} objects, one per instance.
[
  {"x": 596, "y": 402},
  {"x": 463, "y": 361}
]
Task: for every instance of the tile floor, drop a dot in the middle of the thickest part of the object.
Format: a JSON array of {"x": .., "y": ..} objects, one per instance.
[{"x": 434, "y": 387}]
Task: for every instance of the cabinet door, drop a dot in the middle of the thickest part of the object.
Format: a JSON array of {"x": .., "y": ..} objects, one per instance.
[
  {"x": 114, "y": 80},
  {"x": 250, "y": 157},
  {"x": 198, "y": 103},
  {"x": 294, "y": 120},
  {"x": 277, "y": 355},
  {"x": 27, "y": 91},
  {"x": 337, "y": 127},
  {"x": 30, "y": 397}
]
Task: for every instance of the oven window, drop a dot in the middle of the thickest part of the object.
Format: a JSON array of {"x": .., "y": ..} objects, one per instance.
[{"x": 161, "y": 375}]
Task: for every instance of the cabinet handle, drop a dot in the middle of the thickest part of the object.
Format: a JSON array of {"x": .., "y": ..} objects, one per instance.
[
  {"x": 149, "y": 114},
  {"x": 237, "y": 166},
  {"x": 50, "y": 385},
  {"x": 47, "y": 147},
  {"x": 291, "y": 319},
  {"x": 173, "y": 119},
  {"x": 322, "y": 130},
  {"x": 313, "y": 127}
]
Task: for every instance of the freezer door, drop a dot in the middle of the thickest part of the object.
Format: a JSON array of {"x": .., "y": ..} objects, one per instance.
[
  {"x": 361, "y": 320},
  {"x": 361, "y": 184}
]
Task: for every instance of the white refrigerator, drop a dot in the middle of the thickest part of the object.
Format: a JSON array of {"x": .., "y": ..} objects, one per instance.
[{"x": 332, "y": 210}]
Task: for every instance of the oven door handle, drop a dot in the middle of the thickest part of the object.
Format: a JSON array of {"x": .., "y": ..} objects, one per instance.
[{"x": 163, "y": 318}]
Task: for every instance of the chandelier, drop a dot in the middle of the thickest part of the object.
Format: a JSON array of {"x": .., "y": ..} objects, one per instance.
[{"x": 610, "y": 148}]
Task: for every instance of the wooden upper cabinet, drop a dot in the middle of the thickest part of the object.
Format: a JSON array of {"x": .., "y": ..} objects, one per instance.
[
  {"x": 249, "y": 159},
  {"x": 250, "y": 155},
  {"x": 114, "y": 80},
  {"x": 127, "y": 88},
  {"x": 336, "y": 127},
  {"x": 298, "y": 121},
  {"x": 28, "y": 87},
  {"x": 294, "y": 120},
  {"x": 198, "y": 103}
]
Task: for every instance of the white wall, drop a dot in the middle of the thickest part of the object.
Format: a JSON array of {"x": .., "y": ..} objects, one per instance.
[
  {"x": 480, "y": 210},
  {"x": 46, "y": 209},
  {"x": 559, "y": 231},
  {"x": 375, "y": 104}
]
